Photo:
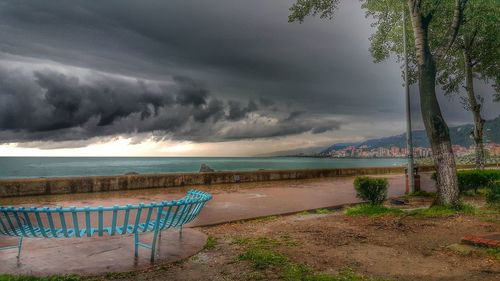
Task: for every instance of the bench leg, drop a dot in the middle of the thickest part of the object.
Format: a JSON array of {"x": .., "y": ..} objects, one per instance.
[
  {"x": 136, "y": 244},
  {"x": 180, "y": 231},
  {"x": 19, "y": 246},
  {"x": 153, "y": 245}
]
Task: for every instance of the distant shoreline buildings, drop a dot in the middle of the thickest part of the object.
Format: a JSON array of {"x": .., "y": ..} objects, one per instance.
[{"x": 364, "y": 151}]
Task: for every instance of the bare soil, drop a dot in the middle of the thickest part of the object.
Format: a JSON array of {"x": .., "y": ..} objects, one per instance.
[{"x": 397, "y": 248}]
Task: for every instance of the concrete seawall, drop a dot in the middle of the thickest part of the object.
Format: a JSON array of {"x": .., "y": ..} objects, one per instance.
[{"x": 64, "y": 185}]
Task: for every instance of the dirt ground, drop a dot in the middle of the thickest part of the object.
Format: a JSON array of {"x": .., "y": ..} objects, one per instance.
[{"x": 407, "y": 248}]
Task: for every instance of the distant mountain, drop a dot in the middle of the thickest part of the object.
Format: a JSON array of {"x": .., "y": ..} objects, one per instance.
[{"x": 460, "y": 135}]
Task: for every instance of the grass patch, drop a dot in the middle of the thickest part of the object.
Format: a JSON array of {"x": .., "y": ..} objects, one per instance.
[
  {"x": 211, "y": 243},
  {"x": 494, "y": 253},
  {"x": 33, "y": 278},
  {"x": 294, "y": 272},
  {"x": 372, "y": 211},
  {"x": 268, "y": 218},
  {"x": 264, "y": 242},
  {"x": 445, "y": 211},
  {"x": 420, "y": 193},
  {"x": 261, "y": 253},
  {"x": 262, "y": 258},
  {"x": 323, "y": 211}
]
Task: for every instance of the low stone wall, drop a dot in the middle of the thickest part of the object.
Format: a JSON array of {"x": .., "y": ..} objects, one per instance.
[{"x": 64, "y": 185}]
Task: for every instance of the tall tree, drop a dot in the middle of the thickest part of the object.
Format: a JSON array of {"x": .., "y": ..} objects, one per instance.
[
  {"x": 435, "y": 25},
  {"x": 475, "y": 55}
]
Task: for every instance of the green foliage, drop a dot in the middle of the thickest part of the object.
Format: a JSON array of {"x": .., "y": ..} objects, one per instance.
[
  {"x": 479, "y": 37},
  {"x": 33, "y": 278},
  {"x": 493, "y": 194},
  {"x": 211, "y": 243},
  {"x": 371, "y": 189},
  {"x": 475, "y": 179},
  {"x": 304, "y": 8},
  {"x": 372, "y": 211},
  {"x": 469, "y": 180}
]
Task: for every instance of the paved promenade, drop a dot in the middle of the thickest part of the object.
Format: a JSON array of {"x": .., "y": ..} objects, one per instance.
[{"x": 231, "y": 202}]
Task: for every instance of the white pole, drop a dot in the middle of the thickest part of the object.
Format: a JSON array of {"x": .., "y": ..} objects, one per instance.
[{"x": 409, "y": 141}]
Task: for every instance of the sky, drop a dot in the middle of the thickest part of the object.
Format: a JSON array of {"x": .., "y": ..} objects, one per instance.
[{"x": 194, "y": 78}]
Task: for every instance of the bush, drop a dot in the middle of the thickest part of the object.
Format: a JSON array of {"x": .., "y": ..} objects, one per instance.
[
  {"x": 469, "y": 180},
  {"x": 371, "y": 189},
  {"x": 493, "y": 195},
  {"x": 475, "y": 179}
]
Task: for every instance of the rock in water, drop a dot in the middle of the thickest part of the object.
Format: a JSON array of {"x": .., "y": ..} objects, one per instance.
[{"x": 206, "y": 169}]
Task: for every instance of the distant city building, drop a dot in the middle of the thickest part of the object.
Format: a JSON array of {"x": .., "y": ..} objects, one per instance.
[{"x": 395, "y": 151}]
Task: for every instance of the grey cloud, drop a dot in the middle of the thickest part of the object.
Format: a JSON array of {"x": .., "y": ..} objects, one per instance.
[
  {"x": 237, "y": 111},
  {"x": 283, "y": 128}
]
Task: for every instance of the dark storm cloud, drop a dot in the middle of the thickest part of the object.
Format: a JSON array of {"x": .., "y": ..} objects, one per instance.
[
  {"x": 50, "y": 105},
  {"x": 221, "y": 68}
]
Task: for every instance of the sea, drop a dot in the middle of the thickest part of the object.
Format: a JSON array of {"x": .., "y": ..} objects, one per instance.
[{"x": 39, "y": 167}]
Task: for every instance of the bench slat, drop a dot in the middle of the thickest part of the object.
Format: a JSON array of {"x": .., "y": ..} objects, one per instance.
[
  {"x": 75, "y": 222},
  {"x": 100, "y": 220},
  {"x": 87, "y": 222},
  {"x": 62, "y": 219},
  {"x": 51, "y": 222},
  {"x": 113, "y": 224},
  {"x": 125, "y": 221},
  {"x": 138, "y": 217},
  {"x": 40, "y": 224}
]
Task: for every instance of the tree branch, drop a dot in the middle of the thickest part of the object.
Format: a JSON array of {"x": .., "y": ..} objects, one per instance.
[{"x": 453, "y": 29}]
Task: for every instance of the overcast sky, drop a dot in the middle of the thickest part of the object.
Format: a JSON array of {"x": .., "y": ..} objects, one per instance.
[{"x": 221, "y": 77}]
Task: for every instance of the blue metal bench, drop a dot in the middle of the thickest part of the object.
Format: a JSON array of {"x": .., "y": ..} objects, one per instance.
[{"x": 100, "y": 221}]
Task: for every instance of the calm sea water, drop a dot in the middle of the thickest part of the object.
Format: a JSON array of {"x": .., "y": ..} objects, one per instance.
[{"x": 34, "y": 167}]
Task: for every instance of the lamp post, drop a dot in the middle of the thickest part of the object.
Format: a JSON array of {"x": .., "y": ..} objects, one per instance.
[{"x": 409, "y": 141}]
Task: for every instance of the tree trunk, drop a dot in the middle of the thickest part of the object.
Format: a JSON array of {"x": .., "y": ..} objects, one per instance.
[
  {"x": 438, "y": 134},
  {"x": 435, "y": 126},
  {"x": 475, "y": 108}
]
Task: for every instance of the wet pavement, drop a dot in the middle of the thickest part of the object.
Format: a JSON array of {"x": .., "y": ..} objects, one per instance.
[
  {"x": 231, "y": 202},
  {"x": 88, "y": 256}
]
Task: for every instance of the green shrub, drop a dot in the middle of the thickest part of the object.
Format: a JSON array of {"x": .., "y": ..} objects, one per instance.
[
  {"x": 469, "y": 180},
  {"x": 475, "y": 179},
  {"x": 493, "y": 194},
  {"x": 373, "y": 190}
]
